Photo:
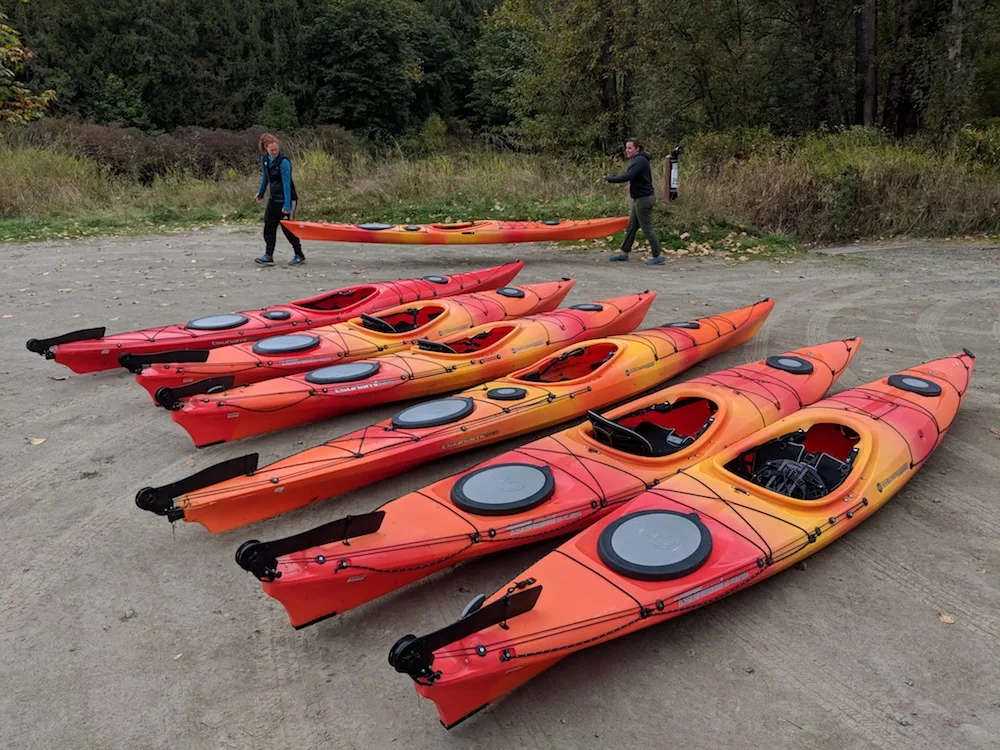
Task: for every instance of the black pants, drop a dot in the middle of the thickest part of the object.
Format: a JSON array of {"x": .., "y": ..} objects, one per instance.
[
  {"x": 642, "y": 216},
  {"x": 272, "y": 220}
]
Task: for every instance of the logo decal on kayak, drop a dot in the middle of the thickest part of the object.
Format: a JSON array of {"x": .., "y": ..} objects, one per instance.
[
  {"x": 363, "y": 386},
  {"x": 524, "y": 528},
  {"x": 639, "y": 369},
  {"x": 892, "y": 477},
  {"x": 526, "y": 346},
  {"x": 715, "y": 588},
  {"x": 474, "y": 439},
  {"x": 302, "y": 361},
  {"x": 230, "y": 342}
]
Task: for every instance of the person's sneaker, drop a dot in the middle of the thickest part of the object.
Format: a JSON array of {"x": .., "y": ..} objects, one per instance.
[
  {"x": 619, "y": 256},
  {"x": 264, "y": 260},
  {"x": 656, "y": 260},
  {"x": 297, "y": 260}
]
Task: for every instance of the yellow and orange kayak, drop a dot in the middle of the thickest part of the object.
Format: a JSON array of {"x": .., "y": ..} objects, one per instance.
[
  {"x": 431, "y": 367},
  {"x": 560, "y": 387},
  {"x": 754, "y": 509},
  {"x": 554, "y": 486},
  {"x": 390, "y": 331},
  {"x": 461, "y": 233}
]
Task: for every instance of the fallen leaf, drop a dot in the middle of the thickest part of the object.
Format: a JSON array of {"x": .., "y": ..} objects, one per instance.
[
  {"x": 995, "y": 431},
  {"x": 115, "y": 318},
  {"x": 8, "y": 316},
  {"x": 946, "y": 619},
  {"x": 190, "y": 462},
  {"x": 178, "y": 657},
  {"x": 77, "y": 315},
  {"x": 685, "y": 235},
  {"x": 58, "y": 377},
  {"x": 35, "y": 441}
]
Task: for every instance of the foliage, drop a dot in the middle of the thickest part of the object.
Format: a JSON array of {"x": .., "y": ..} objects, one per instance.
[
  {"x": 278, "y": 112},
  {"x": 17, "y": 102}
]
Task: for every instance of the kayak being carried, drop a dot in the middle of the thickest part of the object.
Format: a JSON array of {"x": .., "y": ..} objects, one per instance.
[
  {"x": 431, "y": 367},
  {"x": 90, "y": 350},
  {"x": 754, "y": 509},
  {"x": 390, "y": 331},
  {"x": 554, "y": 486},
  {"x": 581, "y": 474},
  {"x": 560, "y": 387},
  {"x": 461, "y": 233}
]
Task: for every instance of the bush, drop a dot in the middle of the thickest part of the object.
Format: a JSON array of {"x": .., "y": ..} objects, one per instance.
[{"x": 278, "y": 111}]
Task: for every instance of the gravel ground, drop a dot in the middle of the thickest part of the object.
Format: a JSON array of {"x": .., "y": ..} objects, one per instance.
[{"x": 119, "y": 631}]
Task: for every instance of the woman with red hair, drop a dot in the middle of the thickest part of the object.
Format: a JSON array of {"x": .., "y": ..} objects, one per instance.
[{"x": 276, "y": 171}]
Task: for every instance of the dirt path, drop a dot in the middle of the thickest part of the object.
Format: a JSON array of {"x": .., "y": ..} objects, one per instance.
[{"x": 118, "y": 631}]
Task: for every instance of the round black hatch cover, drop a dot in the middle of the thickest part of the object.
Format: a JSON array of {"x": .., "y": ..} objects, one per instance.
[
  {"x": 436, "y": 279},
  {"x": 913, "y": 384},
  {"x": 788, "y": 363},
  {"x": 293, "y": 342},
  {"x": 509, "y": 291},
  {"x": 503, "y": 489},
  {"x": 277, "y": 315},
  {"x": 587, "y": 307},
  {"x": 683, "y": 324},
  {"x": 655, "y": 545},
  {"x": 507, "y": 393},
  {"x": 433, "y": 413},
  {"x": 346, "y": 373},
  {"x": 412, "y": 228},
  {"x": 375, "y": 227},
  {"x": 550, "y": 222},
  {"x": 217, "y": 322}
]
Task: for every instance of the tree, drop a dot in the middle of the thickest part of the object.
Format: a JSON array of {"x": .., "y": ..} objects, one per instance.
[
  {"x": 17, "y": 102},
  {"x": 118, "y": 104},
  {"x": 865, "y": 62},
  {"x": 278, "y": 112}
]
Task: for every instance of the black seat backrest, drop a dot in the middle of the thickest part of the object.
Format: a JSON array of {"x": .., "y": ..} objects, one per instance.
[
  {"x": 664, "y": 440},
  {"x": 620, "y": 437},
  {"x": 832, "y": 470}
]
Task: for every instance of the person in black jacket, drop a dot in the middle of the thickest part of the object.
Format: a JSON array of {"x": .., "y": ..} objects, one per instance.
[
  {"x": 276, "y": 171},
  {"x": 643, "y": 194}
]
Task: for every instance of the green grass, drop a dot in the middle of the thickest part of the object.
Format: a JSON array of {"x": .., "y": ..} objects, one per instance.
[{"x": 743, "y": 195}]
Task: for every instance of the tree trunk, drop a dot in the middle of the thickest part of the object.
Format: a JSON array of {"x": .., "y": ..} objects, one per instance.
[
  {"x": 955, "y": 96},
  {"x": 865, "y": 62},
  {"x": 898, "y": 104}
]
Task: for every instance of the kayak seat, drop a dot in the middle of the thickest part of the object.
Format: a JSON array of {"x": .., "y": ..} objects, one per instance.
[{"x": 643, "y": 439}]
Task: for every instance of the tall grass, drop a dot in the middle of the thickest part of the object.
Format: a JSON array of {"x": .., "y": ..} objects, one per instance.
[{"x": 824, "y": 187}]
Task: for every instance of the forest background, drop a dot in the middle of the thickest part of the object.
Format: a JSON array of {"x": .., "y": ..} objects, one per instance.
[{"x": 800, "y": 120}]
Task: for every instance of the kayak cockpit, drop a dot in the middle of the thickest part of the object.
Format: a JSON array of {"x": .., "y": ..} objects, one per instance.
[
  {"x": 656, "y": 431},
  {"x": 403, "y": 321},
  {"x": 339, "y": 300},
  {"x": 803, "y": 465},
  {"x": 478, "y": 342},
  {"x": 571, "y": 365}
]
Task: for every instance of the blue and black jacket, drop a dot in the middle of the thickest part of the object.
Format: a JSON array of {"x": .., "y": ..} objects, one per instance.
[{"x": 277, "y": 173}]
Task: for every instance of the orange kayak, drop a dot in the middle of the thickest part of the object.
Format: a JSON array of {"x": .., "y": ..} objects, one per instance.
[
  {"x": 390, "y": 331},
  {"x": 560, "y": 387},
  {"x": 461, "y": 233},
  {"x": 754, "y": 509},
  {"x": 431, "y": 367},
  {"x": 554, "y": 486},
  {"x": 91, "y": 350}
]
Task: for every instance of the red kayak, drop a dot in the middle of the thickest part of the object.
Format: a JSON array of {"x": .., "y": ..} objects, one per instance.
[
  {"x": 431, "y": 367},
  {"x": 90, "y": 350},
  {"x": 393, "y": 330}
]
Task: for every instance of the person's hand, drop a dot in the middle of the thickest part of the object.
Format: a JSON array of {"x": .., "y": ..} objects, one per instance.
[
  {"x": 285, "y": 213},
  {"x": 257, "y": 198}
]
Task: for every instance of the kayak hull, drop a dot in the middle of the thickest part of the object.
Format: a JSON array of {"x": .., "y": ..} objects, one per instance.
[
  {"x": 596, "y": 587},
  {"x": 426, "y": 530},
  {"x": 288, "y": 401},
  {"x": 464, "y": 233},
  {"x": 92, "y": 350},
  {"x": 352, "y": 340}
]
